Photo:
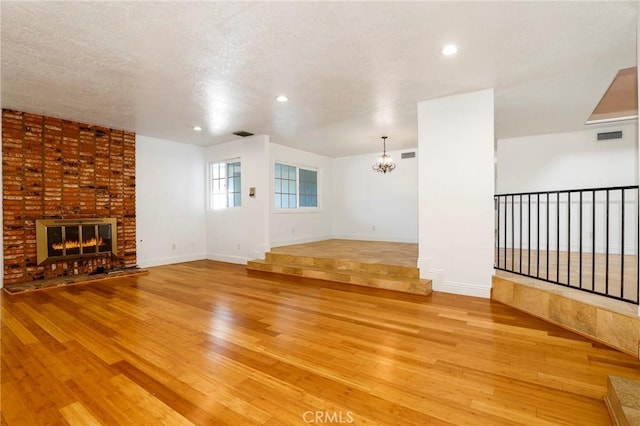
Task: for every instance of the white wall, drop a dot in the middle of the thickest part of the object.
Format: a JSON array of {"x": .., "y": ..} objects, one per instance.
[
  {"x": 170, "y": 213},
  {"x": 240, "y": 234},
  {"x": 301, "y": 225},
  {"x": 456, "y": 186},
  {"x": 572, "y": 160},
  {"x": 373, "y": 206}
]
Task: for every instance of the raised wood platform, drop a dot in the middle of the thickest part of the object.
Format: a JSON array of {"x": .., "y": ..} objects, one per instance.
[{"x": 384, "y": 265}]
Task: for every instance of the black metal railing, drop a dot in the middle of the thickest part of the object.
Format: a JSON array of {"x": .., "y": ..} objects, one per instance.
[{"x": 581, "y": 238}]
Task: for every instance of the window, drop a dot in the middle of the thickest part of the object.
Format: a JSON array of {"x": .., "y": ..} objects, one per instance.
[
  {"x": 225, "y": 185},
  {"x": 295, "y": 187},
  {"x": 308, "y": 188},
  {"x": 285, "y": 187}
]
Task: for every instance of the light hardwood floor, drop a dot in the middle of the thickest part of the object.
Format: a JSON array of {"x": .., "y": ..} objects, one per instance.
[
  {"x": 611, "y": 277},
  {"x": 204, "y": 343},
  {"x": 385, "y": 252}
]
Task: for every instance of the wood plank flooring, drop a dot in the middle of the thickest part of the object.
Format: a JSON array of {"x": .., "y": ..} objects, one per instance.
[
  {"x": 385, "y": 252},
  {"x": 616, "y": 275},
  {"x": 203, "y": 343}
]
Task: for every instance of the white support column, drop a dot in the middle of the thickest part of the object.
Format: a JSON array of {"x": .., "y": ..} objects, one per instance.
[{"x": 455, "y": 192}]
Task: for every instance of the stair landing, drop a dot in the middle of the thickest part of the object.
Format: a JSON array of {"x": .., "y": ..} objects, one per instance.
[{"x": 384, "y": 265}]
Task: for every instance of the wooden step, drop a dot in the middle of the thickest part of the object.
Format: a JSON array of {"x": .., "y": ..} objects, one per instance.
[
  {"x": 623, "y": 401},
  {"x": 342, "y": 264},
  {"x": 376, "y": 276}
]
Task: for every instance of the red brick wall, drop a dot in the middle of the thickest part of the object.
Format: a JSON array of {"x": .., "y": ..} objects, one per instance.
[{"x": 59, "y": 169}]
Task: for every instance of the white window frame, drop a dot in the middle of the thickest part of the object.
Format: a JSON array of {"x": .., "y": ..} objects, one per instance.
[
  {"x": 213, "y": 196},
  {"x": 297, "y": 208}
]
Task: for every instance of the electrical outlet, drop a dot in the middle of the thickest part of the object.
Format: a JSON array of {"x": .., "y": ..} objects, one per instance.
[
  {"x": 173, "y": 246},
  {"x": 373, "y": 228}
]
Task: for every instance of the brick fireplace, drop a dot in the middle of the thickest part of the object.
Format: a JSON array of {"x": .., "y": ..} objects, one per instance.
[{"x": 54, "y": 169}]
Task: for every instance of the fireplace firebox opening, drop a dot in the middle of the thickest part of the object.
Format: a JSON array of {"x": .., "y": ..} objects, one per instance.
[{"x": 63, "y": 239}]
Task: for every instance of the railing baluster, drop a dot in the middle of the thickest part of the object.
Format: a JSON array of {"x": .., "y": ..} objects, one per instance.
[
  {"x": 593, "y": 241},
  {"x": 497, "y": 201},
  {"x": 547, "y": 235},
  {"x": 513, "y": 234},
  {"x": 520, "y": 233},
  {"x": 558, "y": 237},
  {"x": 568, "y": 238},
  {"x": 580, "y": 235},
  {"x": 538, "y": 237},
  {"x": 606, "y": 243},
  {"x": 529, "y": 235},
  {"x": 622, "y": 247},
  {"x": 505, "y": 232}
]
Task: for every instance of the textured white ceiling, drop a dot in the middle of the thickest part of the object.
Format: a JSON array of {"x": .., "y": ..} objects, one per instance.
[{"x": 353, "y": 71}]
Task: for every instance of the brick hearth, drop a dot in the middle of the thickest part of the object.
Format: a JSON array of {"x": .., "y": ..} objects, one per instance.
[{"x": 59, "y": 169}]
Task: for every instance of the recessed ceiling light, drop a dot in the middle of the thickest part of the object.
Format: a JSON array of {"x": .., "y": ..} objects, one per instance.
[
  {"x": 197, "y": 128},
  {"x": 449, "y": 50},
  {"x": 282, "y": 98}
]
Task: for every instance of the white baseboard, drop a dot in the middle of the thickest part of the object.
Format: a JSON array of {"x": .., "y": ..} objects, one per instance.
[
  {"x": 429, "y": 273},
  {"x": 465, "y": 289},
  {"x": 423, "y": 266},
  {"x": 367, "y": 237},
  {"x": 148, "y": 263},
  {"x": 302, "y": 240},
  {"x": 227, "y": 258},
  {"x": 438, "y": 284}
]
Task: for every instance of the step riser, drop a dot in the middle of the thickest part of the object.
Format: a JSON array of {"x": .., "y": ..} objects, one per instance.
[
  {"x": 344, "y": 265},
  {"x": 405, "y": 285},
  {"x": 623, "y": 401}
]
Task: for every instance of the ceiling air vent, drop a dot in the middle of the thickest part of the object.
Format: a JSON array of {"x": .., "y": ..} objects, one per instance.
[
  {"x": 408, "y": 155},
  {"x": 605, "y": 136},
  {"x": 243, "y": 133}
]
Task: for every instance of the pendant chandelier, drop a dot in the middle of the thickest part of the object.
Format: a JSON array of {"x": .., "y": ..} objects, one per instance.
[{"x": 385, "y": 163}]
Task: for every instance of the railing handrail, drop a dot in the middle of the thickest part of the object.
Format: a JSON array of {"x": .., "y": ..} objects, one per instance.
[{"x": 564, "y": 191}]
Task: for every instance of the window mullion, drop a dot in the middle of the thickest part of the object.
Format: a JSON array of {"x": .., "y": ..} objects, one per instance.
[{"x": 297, "y": 188}]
